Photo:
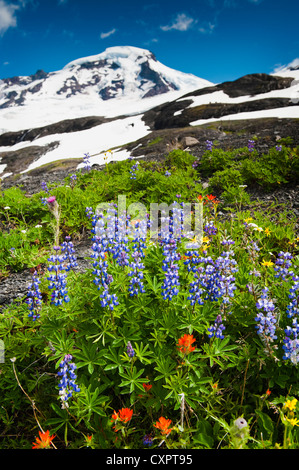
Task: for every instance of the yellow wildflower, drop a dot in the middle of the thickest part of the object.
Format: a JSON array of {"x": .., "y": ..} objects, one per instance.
[
  {"x": 290, "y": 404},
  {"x": 205, "y": 240},
  {"x": 249, "y": 219},
  {"x": 267, "y": 232},
  {"x": 293, "y": 421},
  {"x": 267, "y": 263}
]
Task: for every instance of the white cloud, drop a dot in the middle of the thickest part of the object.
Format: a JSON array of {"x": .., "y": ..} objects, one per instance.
[
  {"x": 209, "y": 28},
  {"x": 8, "y": 9},
  {"x": 150, "y": 42},
  {"x": 109, "y": 33},
  {"x": 7, "y": 16},
  {"x": 181, "y": 23}
]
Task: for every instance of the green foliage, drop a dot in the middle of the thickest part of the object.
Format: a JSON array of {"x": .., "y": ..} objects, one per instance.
[
  {"x": 205, "y": 392},
  {"x": 250, "y": 168},
  {"x": 179, "y": 159}
]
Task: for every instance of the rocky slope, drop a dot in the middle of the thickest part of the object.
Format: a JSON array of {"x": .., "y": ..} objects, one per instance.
[{"x": 155, "y": 145}]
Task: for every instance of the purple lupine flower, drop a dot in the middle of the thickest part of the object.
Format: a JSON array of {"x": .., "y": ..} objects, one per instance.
[
  {"x": 89, "y": 212},
  {"x": 210, "y": 229},
  {"x": 250, "y": 145},
  {"x": 195, "y": 164},
  {"x": 195, "y": 288},
  {"x": 282, "y": 265},
  {"x": 253, "y": 248},
  {"x": 119, "y": 243},
  {"x": 130, "y": 350},
  {"x": 67, "y": 248},
  {"x": 217, "y": 329},
  {"x": 170, "y": 267},
  {"x": 167, "y": 173},
  {"x": 170, "y": 234},
  {"x": 44, "y": 186},
  {"x": 34, "y": 297},
  {"x": 100, "y": 247},
  {"x": 278, "y": 148},
  {"x": 147, "y": 440},
  {"x": 73, "y": 179},
  {"x": 291, "y": 343},
  {"x": 255, "y": 273},
  {"x": 209, "y": 145},
  {"x": 136, "y": 265},
  {"x": 293, "y": 306},
  {"x": 266, "y": 322},
  {"x": 213, "y": 280},
  {"x": 219, "y": 279},
  {"x": 133, "y": 170},
  {"x": 57, "y": 280},
  {"x": 67, "y": 385},
  {"x": 86, "y": 162}
]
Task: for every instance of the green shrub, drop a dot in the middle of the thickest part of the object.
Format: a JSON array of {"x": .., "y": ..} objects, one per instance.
[
  {"x": 226, "y": 178},
  {"x": 179, "y": 159}
]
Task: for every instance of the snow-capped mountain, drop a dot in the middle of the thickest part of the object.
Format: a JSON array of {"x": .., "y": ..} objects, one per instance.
[
  {"x": 120, "y": 97},
  {"x": 120, "y": 80}
]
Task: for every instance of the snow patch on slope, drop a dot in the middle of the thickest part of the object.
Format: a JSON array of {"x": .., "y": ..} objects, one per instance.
[
  {"x": 94, "y": 141},
  {"x": 280, "y": 113}
]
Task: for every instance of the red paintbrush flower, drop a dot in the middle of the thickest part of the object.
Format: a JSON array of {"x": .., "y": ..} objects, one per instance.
[
  {"x": 44, "y": 441},
  {"x": 212, "y": 198},
  {"x": 147, "y": 387},
  {"x": 163, "y": 425},
  {"x": 124, "y": 415},
  {"x": 185, "y": 342}
]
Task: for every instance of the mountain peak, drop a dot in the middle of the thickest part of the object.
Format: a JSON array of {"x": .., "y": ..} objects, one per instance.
[
  {"x": 124, "y": 75},
  {"x": 115, "y": 53}
]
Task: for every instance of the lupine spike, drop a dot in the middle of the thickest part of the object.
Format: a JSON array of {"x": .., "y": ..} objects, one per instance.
[
  {"x": 136, "y": 266},
  {"x": 34, "y": 298},
  {"x": 58, "y": 283},
  {"x": 266, "y": 322},
  {"x": 100, "y": 247},
  {"x": 67, "y": 385}
]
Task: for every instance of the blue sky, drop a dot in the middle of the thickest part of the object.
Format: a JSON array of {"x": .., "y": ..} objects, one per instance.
[{"x": 217, "y": 40}]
